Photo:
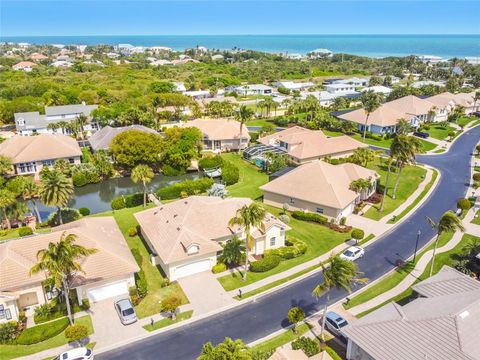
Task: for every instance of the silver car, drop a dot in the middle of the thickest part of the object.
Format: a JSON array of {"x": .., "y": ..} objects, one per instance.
[
  {"x": 81, "y": 353},
  {"x": 125, "y": 311}
]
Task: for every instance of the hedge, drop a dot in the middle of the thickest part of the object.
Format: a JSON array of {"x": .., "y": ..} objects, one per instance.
[
  {"x": 293, "y": 249},
  {"x": 25, "y": 231},
  {"x": 218, "y": 268},
  {"x": 42, "y": 332},
  {"x": 267, "y": 263},
  {"x": 84, "y": 211},
  {"x": 210, "y": 162},
  {"x": 309, "y": 346},
  {"x": 127, "y": 201},
  {"x": 476, "y": 177},
  {"x": 309, "y": 216},
  {"x": 188, "y": 187},
  {"x": 8, "y": 332},
  {"x": 230, "y": 173}
]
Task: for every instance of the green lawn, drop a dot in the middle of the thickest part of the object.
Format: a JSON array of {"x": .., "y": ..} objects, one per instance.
[
  {"x": 260, "y": 122},
  {"x": 438, "y": 132},
  {"x": 417, "y": 200},
  {"x": 282, "y": 339},
  {"x": 332, "y": 133},
  {"x": 385, "y": 143},
  {"x": 168, "y": 321},
  {"x": 319, "y": 239},
  {"x": 251, "y": 178},
  {"x": 393, "y": 279},
  {"x": 14, "y": 351},
  {"x": 151, "y": 303},
  {"x": 410, "y": 178},
  {"x": 13, "y": 233},
  {"x": 464, "y": 120},
  {"x": 476, "y": 220}
]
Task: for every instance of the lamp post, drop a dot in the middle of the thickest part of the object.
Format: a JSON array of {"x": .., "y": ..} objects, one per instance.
[{"x": 416, "y": 245}]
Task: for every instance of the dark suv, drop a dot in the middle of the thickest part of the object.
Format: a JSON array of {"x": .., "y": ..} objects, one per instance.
[{"x": 422, "y": 134}]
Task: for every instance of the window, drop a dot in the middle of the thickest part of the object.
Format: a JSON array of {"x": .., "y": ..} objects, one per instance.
[
  {"x": 48, "y": 163},
  {"x": 272, "y": 241},
  {"x": 292, "y": 201},
  {"x": 319, "y": 210},
  {"x": 26, "y": 167},
  {"x": 71, "y": 160}
]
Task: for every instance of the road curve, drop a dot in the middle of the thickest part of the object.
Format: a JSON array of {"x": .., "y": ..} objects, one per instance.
[{"x": 266, "y": 315}]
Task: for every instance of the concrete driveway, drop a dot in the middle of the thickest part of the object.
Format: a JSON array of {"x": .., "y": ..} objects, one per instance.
[
  {"x": 108, "y": 328},
  {"x": 205, "y": 293}
]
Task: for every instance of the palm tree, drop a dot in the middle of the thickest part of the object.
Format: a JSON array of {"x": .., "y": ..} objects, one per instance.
[
  {"x": 7, "y": 198},
  {"x": 243, "y": 115},
  {"x": 341, "y": 274},
  {"x": 80, "y": 122},
  {"x": 30, "y": 192},
  {"x": 476, "y": 97},
  {"x": 364, "y": 156},
  {"x": 249, "y": 216},
  {"x": 59, "y": 262},
  {"x": 448, "y": 223},
  {"x": 406, "y": 148},
  {"x": 144, "y": 174},
  {"x": 371, "y": 102},
  {"x": 389, "y": 167},
  {"x": 232, "y": 251},
  {"x": 55, "y": 190},
  {"x": 360, "y": 185}
]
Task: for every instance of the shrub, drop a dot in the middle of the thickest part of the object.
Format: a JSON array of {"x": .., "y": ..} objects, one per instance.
[
  {"x": 171, "y": 303},
  {"x": 132, "y": 231},
  {"x": 142, "y": 285},
  {"x": 169, "y": 170},
  {"x": 85, "y": 304},
  {"x": 42, "y": 332},
  {"x": 476, "y": 177},
  {"x": 118, "y": 203},
  {"x": 332, "y": 353},
  {"x": 8, "y": 332},
  {"x": 42, "y": 311},
  {"x": 284, "y": 218},
  {"x": 218, "y": 268},
  {"x": 308, "y": 346},
  {"x": 230, "y": 173},
  {"x": 76, "y": 332},
  {"x": 83, "y": 174},
  {"x": 358, "y": 234},
  {"x": 3, "y": 232},
  {"x": 343, "y": 220},
  {"x": 210, "y": 162},
  {"x": 25, "y": 231},
  {"x": 68, "y": 215},
  {"x": 84, "y": 211},
  {"x": 308, "y": 216},
  {"x": 267, "y": 263},
  {"x": 464, "y": 204},
  {"x": 338, "y": 228},
  {"x": 189, "y": 187},
  {"x": 295, "y": 315},
  {"x": 79, "y": 179}
]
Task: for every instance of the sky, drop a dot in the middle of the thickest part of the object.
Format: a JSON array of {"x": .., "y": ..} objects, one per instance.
[{"x": 201, "y": 17}]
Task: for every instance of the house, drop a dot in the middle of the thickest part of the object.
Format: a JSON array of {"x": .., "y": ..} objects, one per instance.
[
  {"x": 324, "y": 97},
  {"x": 38, "y": 57},
  {"x": 384, "y": 120},
  {"x": 422, "y": 83},
  {"x": 357, "y": 82},
  {"x": 304, "y": 145},
  {"x": 443, "y": 323},
  {"x": 198, "y": 94},
  {"x": 29, "y": 123},
  {"x": 467, "y": 100},
  {"x": 185, "y": 236},
  {"x": 102, "y": 139},
  {"x": 256, "y": 89},
  {"x": 445, "y": 100},
  {"x": 320, "y": 53},
  {"x": 29, "y": 154},
  {"x": 430, "y": 59},
  {"x": 61, "y": 64},
  {"x": 341, "y": 89},
  {"x": 321, "y": 188},
  {"x": 221, "y": 134},
  {"x": 107, "y": 273},
  {"x": 24, "y": 65},
  {"x": 379, "y": 89},
  {"x": 290, "y": 85}
]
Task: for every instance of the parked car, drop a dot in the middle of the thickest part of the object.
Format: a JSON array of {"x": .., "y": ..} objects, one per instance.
[
  {"x": 125, "y": 311},
  {"x": 353, "y": 253},
  {"x": 476, "y": 113},
  {"x": 334, "y": 323},
  {"x": 422, "y": 134},
  {"x": 81, "y": 353}
]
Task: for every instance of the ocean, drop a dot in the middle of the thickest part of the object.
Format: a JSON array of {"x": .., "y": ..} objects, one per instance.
[{"x": 446, "y": 46}]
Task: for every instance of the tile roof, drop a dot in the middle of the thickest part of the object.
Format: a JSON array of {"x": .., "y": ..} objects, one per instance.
[
  {"x": 22, "y": 149},
  {"x": 102, "y": 233},
  {"x": 69, "y": 109},
  {"x": 305, "y": 143},
  {"x": 437, "y": 327},
  {"x": 172, "y": 227},
  {"x": 103, "y": 137},
  {"x": 320, "y": 183},
  {"x": 219, "y": 129}
]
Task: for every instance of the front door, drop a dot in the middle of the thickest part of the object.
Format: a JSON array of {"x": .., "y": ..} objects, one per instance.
[
  {"x": 28, "y": 299},
  {"x": 217, "y": 145},
  {"x": 259, "y": 246}
]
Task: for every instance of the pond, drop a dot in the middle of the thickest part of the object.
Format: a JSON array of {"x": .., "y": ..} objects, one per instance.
[{"x": 97, "y": 197}]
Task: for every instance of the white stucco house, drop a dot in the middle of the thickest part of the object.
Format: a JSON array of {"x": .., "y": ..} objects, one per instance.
[{"x": 185, "y": 236}]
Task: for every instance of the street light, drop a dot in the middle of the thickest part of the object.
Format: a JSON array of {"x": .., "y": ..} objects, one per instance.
[{"x": 416, "y": 245}]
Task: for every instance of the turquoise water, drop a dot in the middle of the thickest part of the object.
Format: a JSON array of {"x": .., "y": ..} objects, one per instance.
[{"x": 368, "y": 45}]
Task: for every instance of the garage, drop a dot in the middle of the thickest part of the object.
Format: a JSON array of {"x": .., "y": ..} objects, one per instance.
[
  {"x": 107, "y": 291},
  {"x": 192, "y": 268}
]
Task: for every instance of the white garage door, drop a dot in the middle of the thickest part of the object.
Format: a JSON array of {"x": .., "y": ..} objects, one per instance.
[
  {"x": 192, "y": 268},
  {"x": 107, "y": 291}
]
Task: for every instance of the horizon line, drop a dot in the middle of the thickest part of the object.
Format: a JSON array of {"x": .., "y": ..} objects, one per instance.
[{"x": 286, "y": 34}]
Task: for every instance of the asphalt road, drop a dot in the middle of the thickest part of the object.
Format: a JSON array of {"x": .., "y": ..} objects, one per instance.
[{"x": 257, "y": 319}]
